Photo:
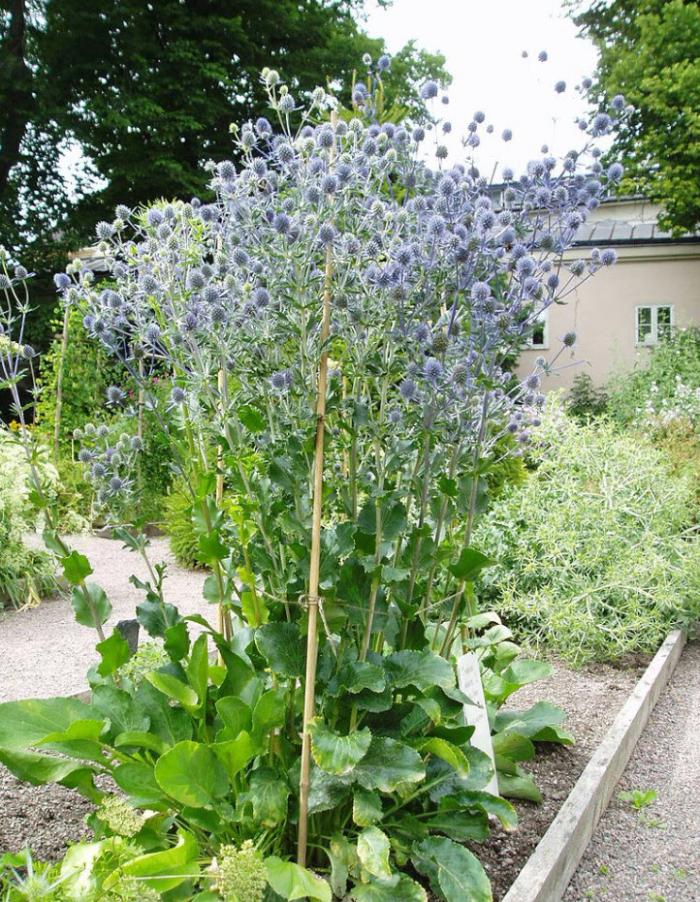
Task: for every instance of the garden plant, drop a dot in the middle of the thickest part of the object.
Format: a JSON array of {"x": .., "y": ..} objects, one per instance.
[{"x": 332, "y": 330}]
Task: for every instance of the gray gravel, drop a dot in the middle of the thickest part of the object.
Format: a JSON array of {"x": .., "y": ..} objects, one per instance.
[
  {"x": 44, "y": 652},
  {"x": 654, "y": 855}
]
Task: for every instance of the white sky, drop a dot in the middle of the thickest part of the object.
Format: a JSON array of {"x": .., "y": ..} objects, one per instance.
[{"x": 483, "y": 41}]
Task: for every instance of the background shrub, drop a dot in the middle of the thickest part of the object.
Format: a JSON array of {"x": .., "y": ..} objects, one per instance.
[
  {"x": 596, "y": 554},
  {"x": 25, "y": 574},
  {"x": 586, "y": 400}
]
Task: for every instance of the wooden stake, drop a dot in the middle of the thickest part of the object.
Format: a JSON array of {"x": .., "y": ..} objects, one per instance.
[
  {"x": 59, "y": 382},
  {"x": 225, "y": 625},
  {"x": 315, "y": 566}
]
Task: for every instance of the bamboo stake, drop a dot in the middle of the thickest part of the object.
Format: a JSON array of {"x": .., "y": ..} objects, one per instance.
[
  {"x": 315, "y": 566},
  {"x": 59, "y": 382},
  {"x": 225, "y": 625}
]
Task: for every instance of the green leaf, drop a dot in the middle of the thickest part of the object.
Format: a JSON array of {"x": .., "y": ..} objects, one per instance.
[
  {"x": 291, "y": 881},
  {"x": 114, "y": 652},
  {"x": 282, "y": 647},
  {"x": 123, "y": 712},
  {"x": 177, "y": 641},
  {"x": 357, "y": 676},
  {"x": 34, "y": 768},
  {"x": 518, "y": 674},
  {"x": 469, "y": 563},
  {"x": 393, "y": 520},
  {"x": 540, "y": 723},
  {"x": 235, "y": 714},
  {"x": 90, "y": 604},
  {"x": 366, "y": 807},
  {"x": 462, "y": 826},
  {"x": 79, "y": 740},
  {"x": 454, "y": 872},
  {"x": 26, "y": 723},
  {"x": 373, "y": 850},
  {"x": 513, "y": 746},
  {"x": 236, "y": 753},
  {"x": 334, "y": 753},
  {"x": 77, "y": 877},
  {"x": 474, "y": 799},
  {"x": 404, "y": 890},
  {"x": 388, "y": 764},
  {"x": 251, "y": 418},
  {"x": 211, "y": 548},
  {"x": 164, "y": 870},
  {"x": 53, "y": 542},
  {"x": 422, "y": 669},
  {"x": 141, "y": 740},
  {"x": 191, "y": 773},
  {"x": 446, "y": 750},
  {"x": 198, "y": 668},
  {"x": 174, "y": 688},
  {"x": 518, "y": 785},
  {"x": 76, "y": 568},
  {"x": 156, "y": 618},
  {"x": 138, "y": 780},
  {"x": 326, "y": 791},
  {"x": 268, "y": 795},
  {"x": 269, "y": 713}
]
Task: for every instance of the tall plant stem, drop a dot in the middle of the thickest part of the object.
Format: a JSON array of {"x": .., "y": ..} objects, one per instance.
[
  {"x": 471, "y": 512},
  {"x": 59, "y": 382},
  {"x": 315, "y": 565},
  {"x": 438, "y": 530},
  {"x": 224, "y": 620}
]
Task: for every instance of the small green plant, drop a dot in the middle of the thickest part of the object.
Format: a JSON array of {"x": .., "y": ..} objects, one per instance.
[
  {"x": 638, "y": 798},
  {"x": 604, "y": 870},
  {"x": 586, "y": 400}
]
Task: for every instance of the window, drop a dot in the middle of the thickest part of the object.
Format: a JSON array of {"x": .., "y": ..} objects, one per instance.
[
  {"x": 540, "y": 331},
  {"x": 654, "y": 323}
]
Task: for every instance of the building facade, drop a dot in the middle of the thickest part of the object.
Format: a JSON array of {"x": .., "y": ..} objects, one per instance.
[{"x": 622, "y": 311}]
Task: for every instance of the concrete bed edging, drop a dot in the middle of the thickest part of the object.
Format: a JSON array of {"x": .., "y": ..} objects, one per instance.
[{"x": 547, "y": 872}]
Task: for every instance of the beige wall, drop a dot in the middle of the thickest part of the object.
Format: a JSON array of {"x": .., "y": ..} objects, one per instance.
[{"x": 602, "y": 310}]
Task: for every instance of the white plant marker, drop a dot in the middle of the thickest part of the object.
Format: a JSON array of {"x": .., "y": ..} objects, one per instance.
[{"x": 469, "y": 679}]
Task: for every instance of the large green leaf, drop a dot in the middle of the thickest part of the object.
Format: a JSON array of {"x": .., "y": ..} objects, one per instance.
[
  {"x": 454, "y": 872},
  {"x": 235, "y": 714},
  {"x": 469, "y": 564},
  {"x": 34, "y": 768},
  {"x": 334, "y": 753},
  {"x": 458, "y": 824},
  {"x": 518, "y": 785},
  {"x": 422, "y": 669},
  {"x": 25, "y": 723},
  {"x": 282, "y": 647},
  {"x": 138, "y": 780},
  {"x": 512, "y": 746},
  {"x": 175, "y": 689},
  {"x": 356, "y": 676},
  {"x": 291, "y": 881},
  {"x": 80, "y": 739},
  {"x": 198, "y": 667},
  {"x": 446, "y": 750},
  {"x": 269, "y": 713},
  {"x": 164, "y": 870},
  {"x": 387, "y": 764},
  {"x": 373, "y": 850},
  {"x": 124, "y": 713},
  {"x": 404, "y": 890},
  {"x": 236, "y": 753},
  {"x": 268, "y": 795},
  {"x": 541, "y": 723},
  {"x": 366, "y": 807},
  {"x": 478, "y": 800},
  {"x": 171, "y": 723},
  {"x": 191, "y": 773},
  {"x": 499, "y": 687}
]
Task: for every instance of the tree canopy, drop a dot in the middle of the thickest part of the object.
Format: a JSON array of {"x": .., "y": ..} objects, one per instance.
[
  {"x": 141, "y": 94},
  {"x": 650, "y": 52}
]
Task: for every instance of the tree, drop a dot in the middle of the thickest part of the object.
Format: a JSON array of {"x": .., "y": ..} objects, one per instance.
[
  {"x": 147, "y": 92},
  {"x": 650, "y": 52}
]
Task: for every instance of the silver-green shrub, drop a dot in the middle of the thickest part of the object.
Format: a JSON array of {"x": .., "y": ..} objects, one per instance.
[{"x": 597, "y": 554}]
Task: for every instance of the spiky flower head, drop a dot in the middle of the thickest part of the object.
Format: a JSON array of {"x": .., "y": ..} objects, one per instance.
[{"x": 119, "y": 816}]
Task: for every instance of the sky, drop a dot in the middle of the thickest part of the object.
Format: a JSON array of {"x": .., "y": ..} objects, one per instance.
[{"x": 483, "y": 41}]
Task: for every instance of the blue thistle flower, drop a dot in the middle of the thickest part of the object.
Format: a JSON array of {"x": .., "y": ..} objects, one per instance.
[
  {"x": 178, "y": 395},
  {"x": 432, "y": 369},
  {"x": 615, "y": 172},
  {"x": 384, "y": 63},
  {"x": 104, "y": 230},
  {"x": 618, "y": 102},
  {"x": 154, "y": 217},
  {"x": 226, "y": 170},
  {"x": 560, "y": 87},
  {"x": 569, "y": 339},
  {"x": 263, "y": 127},
  {"x": 608, "y": 257},
  {"x": 327, "y": 233},
  {"x": 114, "y": 395},
  {"x": 429, "y": 90},
  {"x": 408, "y": 390},
  {"x": 481, "y": 291},
  {"x": 286, "y": 104},
  {"x": 418, "y": 134},
  {"x": 61, "y": 281},
  {"x": 542, "y": 56}
]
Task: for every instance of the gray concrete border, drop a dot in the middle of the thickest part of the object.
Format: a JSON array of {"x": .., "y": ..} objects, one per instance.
[{"x": 549, "y": 869}]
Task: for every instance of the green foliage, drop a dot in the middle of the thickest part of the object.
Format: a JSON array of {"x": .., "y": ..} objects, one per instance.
[
  {"x": 87, "y": 372},
  {"x": 674, "y": 360},
  {"x": 638, "y": 798},
  {"x": 26, "y": 575},
  {"x": 207, "y": 757},
  {"x": 596, "y": 557},
  {"x": 586, "y": 400},
  {"x": 650, "y": 52},
  {"x": 180, "y": 528}
]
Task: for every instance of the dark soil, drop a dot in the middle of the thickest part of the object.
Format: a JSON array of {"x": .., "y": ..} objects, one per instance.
[{"x": 49, "y": 818}]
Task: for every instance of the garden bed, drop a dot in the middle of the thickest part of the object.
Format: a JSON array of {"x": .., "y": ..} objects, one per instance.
[{"x": 49, "y": 817}]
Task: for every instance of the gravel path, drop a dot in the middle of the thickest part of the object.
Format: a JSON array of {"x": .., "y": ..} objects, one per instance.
[
  {"x": 44, "y": 652},
  {"x": 654, "y": 855}
]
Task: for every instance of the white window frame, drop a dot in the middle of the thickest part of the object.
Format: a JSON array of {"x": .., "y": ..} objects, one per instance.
[
  {"x": 653, "y": 337},
  {"x": 543, "y": 318}
]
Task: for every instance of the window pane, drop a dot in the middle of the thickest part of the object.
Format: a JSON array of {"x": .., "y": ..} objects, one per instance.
[
  {"x": 643, "y": 323},
  {"x": 663, "y": 322},
  {"x": 538, "y": 335}
]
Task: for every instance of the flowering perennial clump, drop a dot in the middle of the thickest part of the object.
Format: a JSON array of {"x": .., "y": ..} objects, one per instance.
[{"x": 239, "y": 873}]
